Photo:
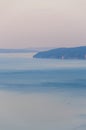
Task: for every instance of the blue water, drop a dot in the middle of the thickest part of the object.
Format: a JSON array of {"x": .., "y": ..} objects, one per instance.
[
  {"x": 26, "y": 74},
  {"x": 41, "y": 94}
]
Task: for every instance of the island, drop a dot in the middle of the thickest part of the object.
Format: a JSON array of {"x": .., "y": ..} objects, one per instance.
[{"x": 63, "y": 53}]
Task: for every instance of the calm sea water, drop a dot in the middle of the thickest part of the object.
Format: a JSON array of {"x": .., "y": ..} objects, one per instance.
[{"x": 42, "y": 94}]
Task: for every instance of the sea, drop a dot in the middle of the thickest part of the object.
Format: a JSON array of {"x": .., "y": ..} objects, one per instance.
[{"x": 42, "y": 94}]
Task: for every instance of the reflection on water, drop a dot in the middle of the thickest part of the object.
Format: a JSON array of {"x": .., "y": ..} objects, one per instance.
[
  {"x": 38, "y": 94},
  {"x": 35, "y": 111}
]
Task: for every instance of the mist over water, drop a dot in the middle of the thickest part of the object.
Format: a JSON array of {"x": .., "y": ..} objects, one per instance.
[{"x": 40, "y": 94}]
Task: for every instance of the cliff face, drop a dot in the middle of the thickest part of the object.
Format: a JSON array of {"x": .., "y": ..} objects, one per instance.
[{"x": 63, "y": 53}]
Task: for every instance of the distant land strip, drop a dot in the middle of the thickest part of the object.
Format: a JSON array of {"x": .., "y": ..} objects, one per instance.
[{"x": 18, "y": 50}]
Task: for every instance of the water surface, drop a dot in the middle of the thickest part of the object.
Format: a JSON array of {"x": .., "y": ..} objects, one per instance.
[{"x": 41, "y": 94}]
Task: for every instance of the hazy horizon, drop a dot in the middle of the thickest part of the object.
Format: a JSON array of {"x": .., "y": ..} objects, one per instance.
[
  {"x": 37, "y": 23},
  {"x": 41, "y": 48}
]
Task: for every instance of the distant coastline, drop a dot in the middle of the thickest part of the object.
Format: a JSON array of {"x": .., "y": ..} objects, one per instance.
[
  {"x": 63, "y": 53},
  {"x": 18, "y": 50},
  {"x": 23, "y": 50}
]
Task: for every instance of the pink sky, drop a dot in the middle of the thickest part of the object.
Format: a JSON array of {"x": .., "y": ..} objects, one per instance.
[{"x": 42, "y": 23}]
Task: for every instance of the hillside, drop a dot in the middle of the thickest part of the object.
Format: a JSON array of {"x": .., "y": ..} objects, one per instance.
[{"x": 63, "y": 53}]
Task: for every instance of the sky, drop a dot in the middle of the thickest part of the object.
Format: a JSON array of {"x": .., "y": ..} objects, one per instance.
[{"x": 42, "y": 23}]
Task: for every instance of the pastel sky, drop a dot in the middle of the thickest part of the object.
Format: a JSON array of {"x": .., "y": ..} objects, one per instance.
[{"x": 42, "y": 23}]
